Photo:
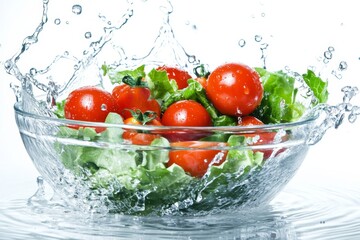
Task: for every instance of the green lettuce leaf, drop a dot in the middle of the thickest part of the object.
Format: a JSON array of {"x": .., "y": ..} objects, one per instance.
[
  {"x": 280, "y": 103},
  {"x": 317, "y": 85},
  {"x": 279, "y": 100},
  {"x": 160, "y": 85},
  {"x": 116, "y": 76}
]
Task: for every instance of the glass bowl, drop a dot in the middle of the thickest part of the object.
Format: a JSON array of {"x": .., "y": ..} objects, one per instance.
[{"x": 91, "y": 167}]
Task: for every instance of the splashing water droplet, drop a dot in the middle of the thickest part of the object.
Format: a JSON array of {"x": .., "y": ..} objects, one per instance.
[
  {"x": 88, "y": 35},
  {"x": 77, "y": 9},
  {"x": 57, "y": 21},
  {"x": 242, "y": 43},
  {"x": 192, "y": 59},
  {"x": 355, "y": 111},
  {"x": 264, "y": 46},
  {"x": 33, "y": 71},
  {"x": 258, "y": 38},
  {"x": 336, "y": 74},
  {"x": 328, "y": 55},
  {"x": 40, "y": 182},
  {"x": 349, "y": 93},
  {"x": 343, "y": 66}
]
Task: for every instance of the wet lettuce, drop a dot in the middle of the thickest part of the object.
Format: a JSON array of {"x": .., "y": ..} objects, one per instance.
[
  {"x": 138, "y": 181},
  {"x": 280, "y": 101}
]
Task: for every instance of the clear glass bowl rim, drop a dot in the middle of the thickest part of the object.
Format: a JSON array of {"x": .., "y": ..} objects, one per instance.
[{"x": 309, "y": 119}]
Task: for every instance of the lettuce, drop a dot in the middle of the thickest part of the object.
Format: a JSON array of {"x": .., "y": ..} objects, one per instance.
[
  {"x": 280, "y": 103},
  {"x": 137, "y": 181}
]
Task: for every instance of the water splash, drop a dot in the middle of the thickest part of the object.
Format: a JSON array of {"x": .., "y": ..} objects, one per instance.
[
  {"x": 333, "y": 116},
  {"x": 164, "y": 48}
]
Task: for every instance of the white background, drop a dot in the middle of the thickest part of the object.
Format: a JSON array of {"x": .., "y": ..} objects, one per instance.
[{"x": 333, "y": 162}]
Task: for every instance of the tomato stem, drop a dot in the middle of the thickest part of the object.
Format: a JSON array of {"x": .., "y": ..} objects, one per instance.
[
  {"x": 134, "y": 82},
  {"x": 143, "y": 117},
  {"x": 200, "y": 71}
]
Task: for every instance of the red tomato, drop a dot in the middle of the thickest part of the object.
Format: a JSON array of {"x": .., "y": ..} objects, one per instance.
[
  {"x": 135, "y": 98},
  {"x": 202, "y": 81},
  {"x": 196, "y": 160},
  {"x": 249, "y": 121},
  {"x": 187, "y": 113},
  {"x": 89, "y": 104},
  {"x": 234, "y": 89},
  {"x": 139, "y": 138},
  {"x": 260, "y": 138},
  {"x": 180, "y": 76}
]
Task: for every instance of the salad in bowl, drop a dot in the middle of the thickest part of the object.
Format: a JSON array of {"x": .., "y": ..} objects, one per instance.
[{"x": 164, "y": 141}]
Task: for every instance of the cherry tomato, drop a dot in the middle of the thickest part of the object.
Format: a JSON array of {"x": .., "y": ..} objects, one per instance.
[
  {"x": 234, "y": 89},
  {"x": 187, "y": 113},
  {"x": 129, "y": 97},
  {"x": 180, "y": 76},
  {"x": 139, "y": 138},
  {"x": 197, "y": 159},
  {"x": 89, "y": 104},
  {"x": 260, "y": 138},
  {"x": 249, "y": 121},
  {"x": 202, "y": 81}
]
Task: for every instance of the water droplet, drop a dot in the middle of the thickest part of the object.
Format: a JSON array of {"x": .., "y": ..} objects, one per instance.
[
  {"x": 40, "y": 181},
  {"x": 264, "y": 46},
  {"x": 342, "y": 66},
  {"x": 8, "y": 65},
  {"x": 88, "y": 35},
  {"x": 328, "y": 54},
  {"x": 77, "y": 9},
  {"x": 263, "y": 14},
  {"x": 192, "y": 59},
  {"x": 103, "y": 107},
  {"x": 242, "y": 43},
  {"x": 57, "y": 21},
  {"x": 331, "y": 49},
  {"x": 336, "y": 74},
  {"x": 258, "y": 38},
  {"x": 33, "y": 71},
  {"x": 66, "y": 53},
  {"x": 326, "y": 61},
  {"x": 352, "y": 117}
]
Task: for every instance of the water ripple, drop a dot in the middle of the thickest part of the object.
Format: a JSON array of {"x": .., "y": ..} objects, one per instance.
[{"x": 306, "y": 212}]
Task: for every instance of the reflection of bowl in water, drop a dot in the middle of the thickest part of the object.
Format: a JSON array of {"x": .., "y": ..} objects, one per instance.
[{"x": 83, "y": 171}]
